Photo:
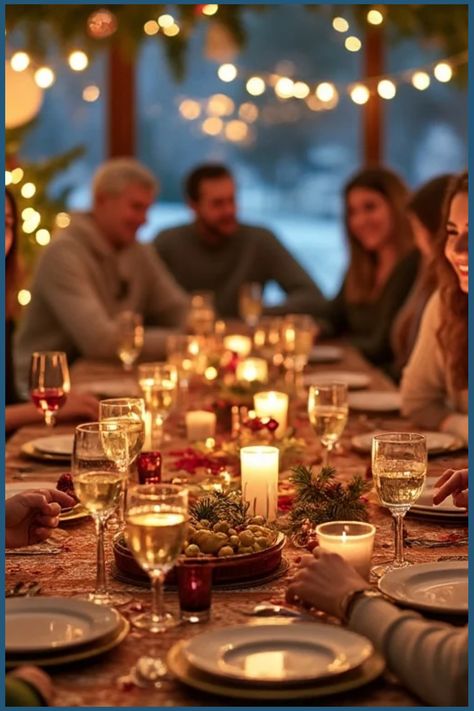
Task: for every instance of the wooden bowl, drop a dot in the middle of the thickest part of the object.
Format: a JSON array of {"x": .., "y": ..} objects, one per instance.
[{"x": 236, "y": 568}]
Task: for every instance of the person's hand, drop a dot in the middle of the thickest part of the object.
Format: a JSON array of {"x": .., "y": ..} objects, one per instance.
[
  {"x": 453, "y": 482},
  {"x": 31, "y": 515},
  {"x": 79, "y": 405},
  {"x": 38, "y": 679},
  {"x": 323, "y": 581}
]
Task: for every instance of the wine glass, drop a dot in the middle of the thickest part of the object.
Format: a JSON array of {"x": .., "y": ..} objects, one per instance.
[
  {"x": 156, "y": 522},
  {"x": 188, "y": 355},
  {"x": 250, "y": 303},
  {"x": 130, "y": 337},
  {"x": 328, "y": 411},
  {"x": 98, "y": 483},
  {"x": 49, "y": 383},
  {"x": 297, "y": 337},
  {"x": 267, "y": 339},
  {"x": 131, "y": 412},
  {"x": 201, "y": 315},
  {"x": 159, "y": 384},
  {"x": 399, "y": 463}
]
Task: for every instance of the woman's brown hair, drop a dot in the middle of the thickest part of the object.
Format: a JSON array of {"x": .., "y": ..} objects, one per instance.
[
  {"x": 453, "y": 331},
  {"x": 360, "y": 278},
  {"x": 12, "y": 268}
]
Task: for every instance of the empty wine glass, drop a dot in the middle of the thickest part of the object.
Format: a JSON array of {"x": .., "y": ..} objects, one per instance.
[
  {"x": 100, "y": 452},
  {"x": 297, "y": 338},
  {"x": 49, "y": 383},
  {"x": 250, "y": 303},
  {"x": 159, "y": 384},
  {"x": 130, "y": 337},
  {"x": 328, "y": 411},
  {"x": 399, "y": 463}
]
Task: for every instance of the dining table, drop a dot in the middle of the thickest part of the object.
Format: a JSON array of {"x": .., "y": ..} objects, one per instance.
[{"x": 71, "y": 568}]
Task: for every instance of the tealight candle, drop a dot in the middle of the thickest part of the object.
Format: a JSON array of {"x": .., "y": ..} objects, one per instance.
[
  {"x": 200, "y": 424},
  {"x": 251, "y": 370},
  {"x": 259, "y": 479},
  {"x": 353, "y": 540},
  {"x": 272, "y": 404},
  {"x": 242, "y": 345}
]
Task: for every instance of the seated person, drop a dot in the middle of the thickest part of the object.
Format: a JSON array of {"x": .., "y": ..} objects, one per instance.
[
  {"x": 382, "y": 268},
  {"x": 425, "y": 214},
  {"x": 217, "y": 253},
  {"x": 453, "y": 483},
  {"x": 95, "y": 268},
  {"x": 17, "y": 413},
  {"x": 434, "y": 383}
]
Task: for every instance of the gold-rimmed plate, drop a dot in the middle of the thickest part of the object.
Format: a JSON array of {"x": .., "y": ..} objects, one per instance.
[
  {"x": 185, "y": 673},
  {"x": 29, "y": 450}
]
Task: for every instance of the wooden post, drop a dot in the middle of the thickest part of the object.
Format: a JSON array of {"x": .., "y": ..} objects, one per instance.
[
  {"x": 373, "y": 110},
  {"x": 121, "y": 103}
]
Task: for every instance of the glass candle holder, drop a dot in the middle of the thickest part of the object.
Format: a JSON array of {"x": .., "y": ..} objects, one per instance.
[
  {"x": 149, "y": 467},
  {"x": 195, "y": 590},
  {"x": 353, "y": 540}
]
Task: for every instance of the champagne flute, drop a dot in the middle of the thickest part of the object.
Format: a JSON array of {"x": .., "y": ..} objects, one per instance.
[
  {"x": 156, "y": 522},
  {"x": 49, "y": 383},
  {"x": 159, "y": 384},
  {"x": 297, "y": 336},
  {"x": 98, "y": 482},
  {"x": 130, "y": 337},
  {"x": 250, "y": 303},
  {"x": 399, "y": 463},
  {"x": 328, "y": 411},
  {"x": 131, "y": 412}
]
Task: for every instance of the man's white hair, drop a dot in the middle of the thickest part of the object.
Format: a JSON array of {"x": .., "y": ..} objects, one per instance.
[{"x": 117, "y": 173}]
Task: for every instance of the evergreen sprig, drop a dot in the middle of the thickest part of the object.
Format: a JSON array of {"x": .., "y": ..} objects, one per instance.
[
  {"x": 221, "y": 505},
  {"x": 320, "y": 498}
]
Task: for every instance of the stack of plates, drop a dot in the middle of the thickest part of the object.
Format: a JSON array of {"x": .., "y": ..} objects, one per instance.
[
  {"x": 276, "y": 661},
  {"x": 56, "y": 448},
  {"x": 353, "y": 380},
  {"x": 53, "y": 630},
  {"x": 325, "y": 354},
  {"x": 432, "y": 587},
  {"x": 75, "y": 513},
  {"x": 424, "y": 507},
  {"x": 436, "y": 442}
]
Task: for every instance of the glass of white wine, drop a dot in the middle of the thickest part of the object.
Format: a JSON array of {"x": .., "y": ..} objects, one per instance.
[
  {"x": 399, "y": 463},
  {"x": 159, "y": 385},
  {"x": 250, "y": 303},
  {"x": 298, "y": 332},
  {"x": 328, "y": 412},
  {"x": 98, "y": 483},
  {"x": 130, "y": 337},
  {"x": 131, "y": 412}
]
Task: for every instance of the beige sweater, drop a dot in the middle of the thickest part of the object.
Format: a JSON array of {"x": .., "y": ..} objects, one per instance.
[{"x": 428, "y": 399}]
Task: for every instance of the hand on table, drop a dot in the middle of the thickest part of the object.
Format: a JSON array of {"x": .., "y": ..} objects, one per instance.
[
  {"x": 31, "y": 516},
  {"x": 79, "y": 405},
  {"x": 323, "y": 581},
  {"x": 453, "y": 482},
  {"x": 38, "y": 679}
]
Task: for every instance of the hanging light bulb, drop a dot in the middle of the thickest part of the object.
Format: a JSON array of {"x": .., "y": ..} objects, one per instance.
[
  {"x": 255, "y": 86},
  {"x": 374, "y": 17},
  {"x": 20, "y": 61},
  {"x": 227, "y": 72},
  {"x": 44, "y": 77},
  {"x": 443, "y": 72},
  {"x": 421, "y": 80},
  {"x": 340, "y": 24},
  {"x": 352, "y": 44},
  {"x": 386, "y": 89},
  {"x": 325, "y": 91},
  {"x": 359, "y": 94},
  {"x": 78, "y": 60}
]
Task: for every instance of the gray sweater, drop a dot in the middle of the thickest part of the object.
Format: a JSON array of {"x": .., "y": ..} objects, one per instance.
[
  {"x": 79, "y": 286},
  {"x": 252, "y": 254}
]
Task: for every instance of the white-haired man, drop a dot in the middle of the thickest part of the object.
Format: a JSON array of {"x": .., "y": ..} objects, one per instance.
[{"x": 95, "y": 268}]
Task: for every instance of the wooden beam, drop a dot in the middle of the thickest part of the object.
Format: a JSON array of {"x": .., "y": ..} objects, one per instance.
[
  {"x": 121, "y": 103},
  {"x": 373, "y": 110}
]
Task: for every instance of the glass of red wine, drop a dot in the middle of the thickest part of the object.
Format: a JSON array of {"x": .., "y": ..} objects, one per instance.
[{"x": 49, "y": 383}]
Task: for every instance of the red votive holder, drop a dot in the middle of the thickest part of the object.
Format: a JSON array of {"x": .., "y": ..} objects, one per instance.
[
  {"x": 195, "y": 590},
  {"x": 149, "y": 467}
]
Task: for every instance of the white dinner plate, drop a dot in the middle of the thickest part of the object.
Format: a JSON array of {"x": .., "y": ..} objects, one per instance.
[
  {"x": 273, "y": 653},
  {"x": 436, "y": 442},
  {"x": 17, "y": 487},
  {"x": 55, "y": 444},
  {"x": 43, "y": 624},
  {"x": 375, "y": 401},
  {"x": 435, "y": 587},
  {"x": 126, "y": 387},
  {"x": 325, "y": 354},
  {"x": 354, "y": 381}
]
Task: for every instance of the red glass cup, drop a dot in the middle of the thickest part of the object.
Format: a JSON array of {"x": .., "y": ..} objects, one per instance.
[
  {"x": 149, "y": 467},
  {"x": 195, "y": 589}
]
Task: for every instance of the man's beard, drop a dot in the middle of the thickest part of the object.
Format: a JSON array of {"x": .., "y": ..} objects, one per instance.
[{"x": 214, "y": 233}]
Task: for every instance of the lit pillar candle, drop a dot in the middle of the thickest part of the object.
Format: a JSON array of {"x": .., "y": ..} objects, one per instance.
[
  {"x": 259, "y": 480},
  {"x": 252, "y": 369},
  {"x": 272, "y": 404},
  {"x": 242, "y": 345},
  {"x": 200, "y": 424},
  {"x": 353, "y": 540}
]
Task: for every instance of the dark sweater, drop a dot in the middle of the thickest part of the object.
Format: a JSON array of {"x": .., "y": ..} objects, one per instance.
[
  {"x": 368, "y": 325},
  {"x": 252, "y": 254}
]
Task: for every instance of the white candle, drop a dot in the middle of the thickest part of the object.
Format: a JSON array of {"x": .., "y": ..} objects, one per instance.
[
  {"x": 353, "y": 540},
  {"x": 200, "y": 424},
  {"x": 259, "y": 480},
  {"x": 272, "y": 404},
  {"x": 242, "y": 345},
  {"x": 252, "y": 369}
]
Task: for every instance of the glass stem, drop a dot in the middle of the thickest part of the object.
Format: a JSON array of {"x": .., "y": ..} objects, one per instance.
[
  {"x": 101, "y": 582},
  {"x": 326, "y": 452},
  {"x": 157, "y": 600},
  {"x": 399, "y": 558},
  {"x": 49, "y": 418}
]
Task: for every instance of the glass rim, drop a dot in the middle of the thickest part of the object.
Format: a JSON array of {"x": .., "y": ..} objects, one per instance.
[
  {"x": 121, "y": 400},
  {"x": 371, "y": 529},
  {"x": 329, "y": 386},
  {"x": 259, "y": 449},
  {"x": 156, "y": 491},
  {"x": 399, "y": 437},
  {"x": 267, "y": 393},
  {"x": 98, "y": 425}
]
